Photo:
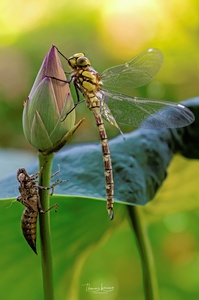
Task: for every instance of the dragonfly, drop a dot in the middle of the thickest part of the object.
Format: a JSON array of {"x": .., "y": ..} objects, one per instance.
[
  {"x": 104, "y": 102},
  {"x": 29, "y": 197}
]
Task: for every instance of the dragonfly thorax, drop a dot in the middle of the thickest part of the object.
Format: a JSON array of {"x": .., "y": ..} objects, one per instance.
[{"x": 86, "y": 79}]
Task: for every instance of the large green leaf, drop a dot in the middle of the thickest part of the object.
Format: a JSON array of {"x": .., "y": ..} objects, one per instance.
[
  {"x": 81, "y": 225},
  {"x": 139, "y": 164},
  {"x": 78, "y": 228}
]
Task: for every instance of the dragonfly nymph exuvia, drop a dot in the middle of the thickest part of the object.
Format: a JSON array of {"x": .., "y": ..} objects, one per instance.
[{"x": 119, "y": 108}]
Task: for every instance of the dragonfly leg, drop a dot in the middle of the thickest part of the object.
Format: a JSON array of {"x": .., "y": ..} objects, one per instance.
[
  {"x": 40, "y": 209},
  {"x": 58, "y": 79},
  {"x": 75, "y": 105},
  {"x": 62, "y": 54},
  {"x": 51, "y": 187},
  {"x": 54, "y": 184},
  {"x": 76, "y": 90}
]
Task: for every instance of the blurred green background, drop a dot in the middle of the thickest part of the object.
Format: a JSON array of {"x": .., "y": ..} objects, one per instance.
[{"x": 110, "y": 32}]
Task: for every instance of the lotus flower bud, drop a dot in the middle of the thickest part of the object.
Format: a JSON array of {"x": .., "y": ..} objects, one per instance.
[{"x": 48, "y": 103}]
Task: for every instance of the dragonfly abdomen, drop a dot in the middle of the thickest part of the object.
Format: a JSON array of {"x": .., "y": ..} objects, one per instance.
[
  {"x": 107, "y": 160},
  {"x": 28, "y": 224},
  {"x": 29, "y": 197}
]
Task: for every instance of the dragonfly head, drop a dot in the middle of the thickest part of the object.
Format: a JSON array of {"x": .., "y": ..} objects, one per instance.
[
  {"x": 22, "y": 175},
  {"x": 78, "y": 61}
]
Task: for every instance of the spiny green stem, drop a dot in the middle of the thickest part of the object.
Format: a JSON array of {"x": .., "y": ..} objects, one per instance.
[
  {"x": 148, "y": 267},
  {"x": 45, "y": 164}
]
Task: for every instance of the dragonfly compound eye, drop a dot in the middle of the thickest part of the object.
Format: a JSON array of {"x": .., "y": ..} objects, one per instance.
[
  {"x": 73, "y": 60},
  {"x": 83, "y": 62},
  {"x": 21, "y": 177}
]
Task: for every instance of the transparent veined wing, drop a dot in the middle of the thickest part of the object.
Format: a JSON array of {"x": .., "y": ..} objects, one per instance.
[
  {"x": 106, "y": 113},
  {"x": 137, "y": 72},
  {"x": 136, "y": 111}
]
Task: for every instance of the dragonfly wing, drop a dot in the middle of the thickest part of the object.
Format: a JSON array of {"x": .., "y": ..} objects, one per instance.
[
  {"x": 137, "y": 72},
  {"x": 136, "y": 111},
  {"x": 106, "y": 113}
]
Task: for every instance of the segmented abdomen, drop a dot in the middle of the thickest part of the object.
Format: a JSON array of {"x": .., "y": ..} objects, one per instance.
[
  {"x": 28, "y": 224},
  {"x": 107, "y": 161}
]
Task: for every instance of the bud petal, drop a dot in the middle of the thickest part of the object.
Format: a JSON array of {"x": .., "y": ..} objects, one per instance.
[{"x": 39, "y": 134}]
